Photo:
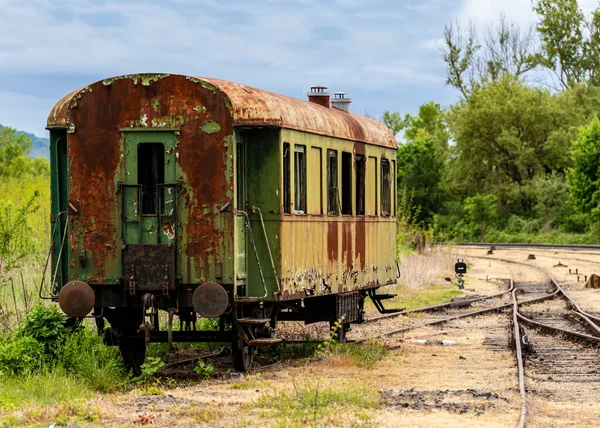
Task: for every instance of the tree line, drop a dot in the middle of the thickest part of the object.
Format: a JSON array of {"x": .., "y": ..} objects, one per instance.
[{"x": 517, "y": 158}]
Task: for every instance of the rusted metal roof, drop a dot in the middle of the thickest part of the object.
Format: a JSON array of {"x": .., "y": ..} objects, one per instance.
[{"x": 257, "y": 107}]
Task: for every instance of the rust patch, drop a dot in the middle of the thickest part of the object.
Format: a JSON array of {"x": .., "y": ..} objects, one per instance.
[
  {"x": 97, "y": 116},
  {"x": 360, "y": 242},
  {"x": 347, "y": 244},
  {"x": 332, "y": 241}
]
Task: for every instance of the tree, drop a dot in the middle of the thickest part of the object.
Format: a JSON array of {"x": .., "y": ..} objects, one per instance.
[
  {"x": 584, "y": 177},
  {"x": 504, "y": 51},
  {"x": 570, "y": 41},
  {"x": 421, "y": 158},
  {"x": 14, "y": 156},
  {"x": 480, "y": 212},
  {"x": 506, "y": 134}
]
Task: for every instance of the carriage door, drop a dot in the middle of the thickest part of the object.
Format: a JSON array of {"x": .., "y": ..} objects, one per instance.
[
  {"x": 149, "y": 211},
  {"x": 240, "y": 227}
]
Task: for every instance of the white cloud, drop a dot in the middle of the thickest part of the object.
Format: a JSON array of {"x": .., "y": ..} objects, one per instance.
[
  {"x": 486, "y": 12},
  {"x": 25, "y": 112},
  {"x": 277, "y": 45}
]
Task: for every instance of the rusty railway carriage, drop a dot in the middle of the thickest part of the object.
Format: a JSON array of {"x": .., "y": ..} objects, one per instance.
[{"x": 203, "y": 197}]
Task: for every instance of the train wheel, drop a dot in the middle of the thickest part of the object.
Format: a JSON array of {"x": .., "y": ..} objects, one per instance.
[
  {"x": 133, "y": 352},
  {"x": 241, "y": 351}
]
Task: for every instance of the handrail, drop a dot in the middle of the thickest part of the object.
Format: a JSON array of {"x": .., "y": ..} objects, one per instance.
[
  {"x": 255, "y": 208},
  {"x": 262, "y": 276},
  {"x": 56, "y": 225}
]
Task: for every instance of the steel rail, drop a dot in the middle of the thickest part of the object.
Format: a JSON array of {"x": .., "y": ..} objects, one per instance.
[
  {"x": 519, "y": 355},
  {"x": 523, "y": 245},
  {"x": 437, "y": 307},
  {"x": 459, "y": 316}
]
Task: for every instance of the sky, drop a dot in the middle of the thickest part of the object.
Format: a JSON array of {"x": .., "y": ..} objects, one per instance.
[{"x": 385, "y": 54}]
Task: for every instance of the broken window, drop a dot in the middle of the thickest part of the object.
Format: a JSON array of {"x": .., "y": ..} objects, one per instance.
[
  {"x": 346, "y": 183},
  {"x": 151, "y": 173},
  {"x": 300, "y": 179},
  {"x": 386, "y": 200},
  {"x": 360, "y": 184},
  {"x": 332, "y": 182},
  {"x": 286, "y": 179}
]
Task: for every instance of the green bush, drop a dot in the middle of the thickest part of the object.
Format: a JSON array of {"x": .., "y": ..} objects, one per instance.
[
  {"x": 20, "y": 355},
  {"x": 46, "y": 343},
  {"x": 85, "y": 356},
  {"x": 47, "y": 325}
]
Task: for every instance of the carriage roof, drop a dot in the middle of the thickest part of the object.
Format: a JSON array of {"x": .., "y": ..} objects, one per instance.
[{"x": 258, "y": 107}]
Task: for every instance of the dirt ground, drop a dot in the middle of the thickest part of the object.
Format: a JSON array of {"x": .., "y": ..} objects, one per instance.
[{"x": 471, "y": 382}]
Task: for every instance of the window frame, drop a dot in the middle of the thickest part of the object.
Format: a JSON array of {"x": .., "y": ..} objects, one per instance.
[
  {"x": 300, "y": 185},
  {"x": 360, "y": 164},
  {"x": 332, "y": 175},
  {"x": 386, "y": 196},
  {"x": 159, "y": 148},
  {"x": 286, "y": 196}
]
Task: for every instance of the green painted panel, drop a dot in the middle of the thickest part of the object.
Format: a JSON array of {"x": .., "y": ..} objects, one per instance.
[{"x": 141, "y": 217}]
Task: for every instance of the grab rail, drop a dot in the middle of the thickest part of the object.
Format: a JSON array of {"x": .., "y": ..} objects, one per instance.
[{"x": 62, "y": 244}]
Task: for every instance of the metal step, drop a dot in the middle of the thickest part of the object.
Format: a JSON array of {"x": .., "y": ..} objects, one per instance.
[
  {"x": 383, "y": 296},
  {"x": 254, "y": 321},
  {"x": 248, "y": 299},
  {"x": 262, "y": 342},
  {"x": 392, "y": 311}
]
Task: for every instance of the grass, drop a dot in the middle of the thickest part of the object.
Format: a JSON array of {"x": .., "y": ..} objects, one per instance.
[
  {"x": 250, "y": 382},
  {"x": 365, "y": 355},
  {"x": 45, "y": 388},
  {"x": 316, "y": 405}
]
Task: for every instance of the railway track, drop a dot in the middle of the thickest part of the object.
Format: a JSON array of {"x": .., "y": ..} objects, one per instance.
[{"x": 555, "y": 342}]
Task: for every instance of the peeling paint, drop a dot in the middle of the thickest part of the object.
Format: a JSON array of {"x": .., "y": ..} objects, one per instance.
[
  {"x": 210, "y": 127},
  {"x": 155, "y": 103}
]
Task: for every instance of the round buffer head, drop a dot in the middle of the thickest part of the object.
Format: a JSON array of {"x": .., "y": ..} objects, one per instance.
[
  {"x": 210, "y": 300},
  {"x": 76, "y": 299}
]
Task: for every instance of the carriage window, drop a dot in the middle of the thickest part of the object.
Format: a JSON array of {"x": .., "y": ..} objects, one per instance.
[
  {"x": 151, "y": 173},
  {"x": 346, "y": 183},
  {"x": 286, "y": 178},
  {"x": 360, "y": 185},
  {"x": 300, "y": 179},
  {"x": 386, "y": 202},
  {"x": 332, "y": 182}
]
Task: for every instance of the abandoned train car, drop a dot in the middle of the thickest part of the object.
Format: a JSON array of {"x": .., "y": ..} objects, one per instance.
[{"x": 204, "y": 197}]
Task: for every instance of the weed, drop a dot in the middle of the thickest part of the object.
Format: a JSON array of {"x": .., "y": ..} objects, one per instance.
[
  {"x": 41, "y": 388},
  {"x": 324, "y": 347},
  {"x": 250, "y": 382},
  {"x": 86, "y": 356},
  {"x": 364, "y": 355},
  {"x": 289, "y": 351},
  {"x": 202, "y": 414},
  {"x": 203, "y": 369},
  {"x": 150, "y": 368},
  {"x": 315, "y": 405},
  {"x": 151, "y": 390}
]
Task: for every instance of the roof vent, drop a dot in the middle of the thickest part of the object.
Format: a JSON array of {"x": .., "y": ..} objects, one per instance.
[
  {"x": 340, "y": 102},
  {"x": 318, "y": 95}
]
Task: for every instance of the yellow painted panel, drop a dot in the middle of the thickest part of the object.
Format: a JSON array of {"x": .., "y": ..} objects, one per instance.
[
  {"x": 315, "y": 181},
  {"x": 371, "y": 186}
]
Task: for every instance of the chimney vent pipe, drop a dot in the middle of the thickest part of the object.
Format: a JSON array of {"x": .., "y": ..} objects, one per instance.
[
  {"x": 340, "y": 102},
  {"x": 319, "y": 95}
]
